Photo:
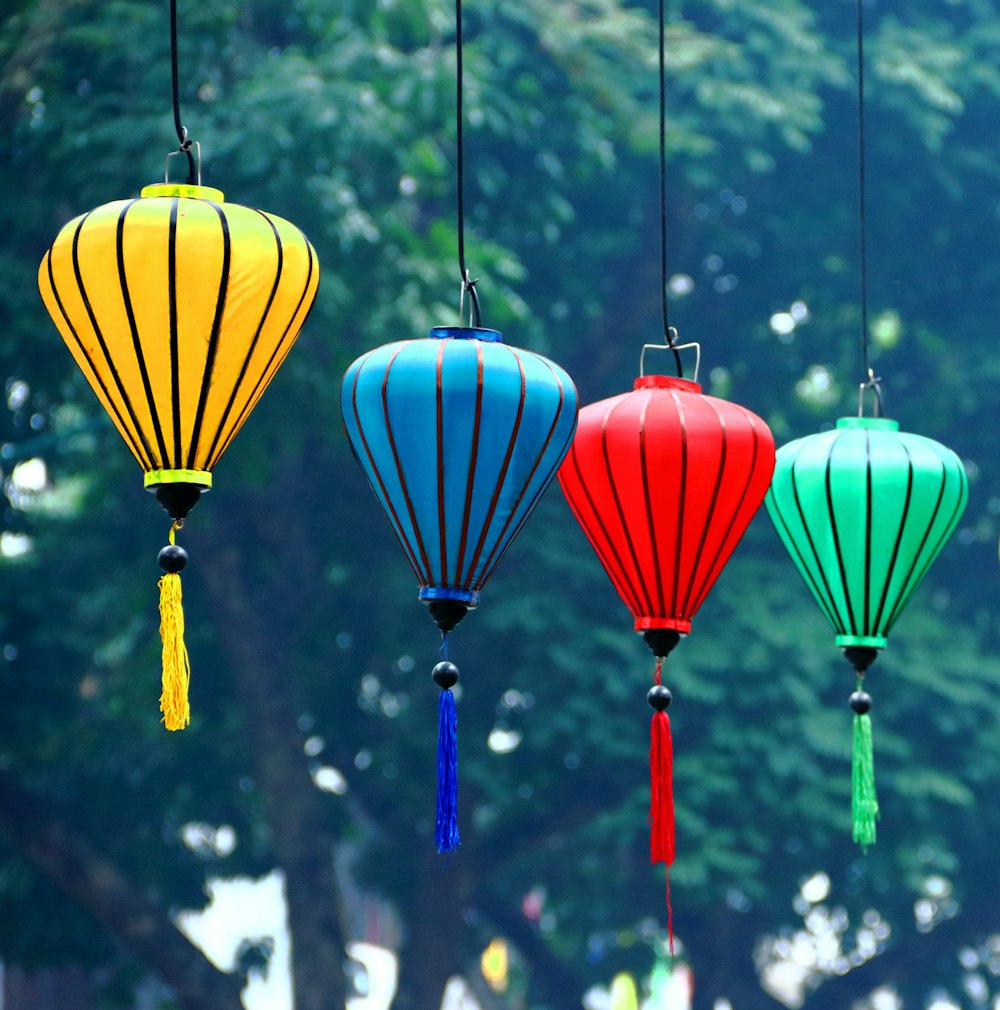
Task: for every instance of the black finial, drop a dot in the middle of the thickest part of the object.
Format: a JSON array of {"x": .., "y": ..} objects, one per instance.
[
  {"x": 860, "y": 656},
  {"x": 661, "y": 641},
  {"x": 177, "y": 499},
  {"x": 447, "y": 613}
]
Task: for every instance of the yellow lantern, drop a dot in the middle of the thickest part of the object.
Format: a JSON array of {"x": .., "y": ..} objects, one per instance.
[{"x": 179, "y": 308}]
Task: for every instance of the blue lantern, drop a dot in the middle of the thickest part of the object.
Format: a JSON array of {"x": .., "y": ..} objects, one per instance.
[{"x": 459, "y": 434}]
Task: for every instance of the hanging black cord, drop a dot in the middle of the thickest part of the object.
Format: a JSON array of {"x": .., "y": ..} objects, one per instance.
[
  {"x": 182, "y": 134},
  {"x": 871, "y": 382},
  {"x": 669, "y": 334},
  {"x": 468, "y": 284}
]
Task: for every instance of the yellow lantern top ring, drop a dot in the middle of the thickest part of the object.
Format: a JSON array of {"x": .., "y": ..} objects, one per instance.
[{"x": 184, "y": 191}]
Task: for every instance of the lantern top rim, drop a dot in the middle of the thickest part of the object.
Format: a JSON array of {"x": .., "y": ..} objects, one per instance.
[
  {"x": 183, "y": 191},
  {"x": 666, "y": 382},
  {"x": 466, "y": 333},
  {"x": 876, "y": 423}
]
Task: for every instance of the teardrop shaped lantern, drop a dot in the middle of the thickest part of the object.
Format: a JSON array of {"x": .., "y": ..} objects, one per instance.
[
  {"x": 178, "y": 308},
  {"x": 664, "y": 481},
  {"x": 458, "y": 434},
  {"x": 863, "y": 511}
]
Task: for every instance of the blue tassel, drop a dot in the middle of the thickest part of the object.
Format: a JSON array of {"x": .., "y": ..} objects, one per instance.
[{"x": 446, "y": 834}]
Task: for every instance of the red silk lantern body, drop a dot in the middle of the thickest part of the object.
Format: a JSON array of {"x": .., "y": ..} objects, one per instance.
[{"x": 664, "y": 481}]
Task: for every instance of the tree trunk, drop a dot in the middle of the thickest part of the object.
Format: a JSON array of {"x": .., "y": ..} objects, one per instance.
[
  {"x": 300, "y": 835},
  {"x": 432, "y": 951},
  {"x": 93, "y": 880}
]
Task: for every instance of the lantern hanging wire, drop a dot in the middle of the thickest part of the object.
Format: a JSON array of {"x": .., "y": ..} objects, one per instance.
[
  {"x": 194, "y": 171},
  {"x": 468, "y": 284},
  {"x": 669, "y": 333},
  {"x": 871, "y": 381}
]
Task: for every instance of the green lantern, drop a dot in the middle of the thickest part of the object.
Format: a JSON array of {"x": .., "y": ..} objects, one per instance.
[{"x": 864, "y": 510}]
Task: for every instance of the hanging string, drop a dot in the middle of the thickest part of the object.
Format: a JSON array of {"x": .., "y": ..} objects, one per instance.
[
  {"x": 870, "y": 381},
  {"x": 468, "y": 284},
  {"x": 669, "y": 333},
  {"x": 182, "y": 134}
]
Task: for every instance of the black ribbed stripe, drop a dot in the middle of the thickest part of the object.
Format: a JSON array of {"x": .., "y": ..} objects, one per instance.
[
  {"x": 136, "y": 343},
  {"x": 714, "y": 570},
  {"x": 490, "y": 564},
  {"x": 94, "y": 376},
  {"x": 711, "y": 509},
  {"x": 605, "y": 551},
  {"x": 104, "y": 347},
  {"x": 921, "y": 562},
  {"x": 831, "y": 607},
  {"x": 868, "y": 531},
  {"x": 175, "y": 358},
  {"x": 647, "y": 498},
  {"x": 875, "y": 625},
  {"x": 498, "y": 489},
  {"x": 499, "y": 545},
  {"x": 270, "y": 368},
  {"x": 213, "y": 340},
  {"x": 836, "y": 536},
  {"x": 439, "y": 402},
  {"x": 621, "y": 513},
  {"x": 429, "y": 578},
  {"x": 256, "y": 337},
  {"x": 397, "y": 526},
  {"x": 681, "y": 497}
]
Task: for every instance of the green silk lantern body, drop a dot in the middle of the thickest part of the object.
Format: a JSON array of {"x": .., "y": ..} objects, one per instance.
[{"x": 864, "y": 510}]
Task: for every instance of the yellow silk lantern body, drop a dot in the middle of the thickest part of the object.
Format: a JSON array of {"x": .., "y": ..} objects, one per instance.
[{"x": 179, "y": 309}]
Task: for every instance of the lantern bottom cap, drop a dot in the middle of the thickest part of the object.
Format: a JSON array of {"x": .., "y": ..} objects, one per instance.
[
  {"x": 871, "y": 641},
  {"x": 177, "y": 491},
  {"x": 678, "y": 624},
  {"x": 152, "y": 479},
  {"x": 428, "y": 594}
]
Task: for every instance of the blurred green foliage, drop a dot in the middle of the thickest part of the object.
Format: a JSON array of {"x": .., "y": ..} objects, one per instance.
[{"x": 340, "y": 118}]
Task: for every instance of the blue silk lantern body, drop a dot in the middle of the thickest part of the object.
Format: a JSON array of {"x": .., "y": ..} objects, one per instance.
[{"x": 459, "y": 434}]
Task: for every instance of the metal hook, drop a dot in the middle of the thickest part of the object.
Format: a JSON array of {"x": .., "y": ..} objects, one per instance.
[
  {"x": 468, "y": 284},
  {"x": 671, "y": 347},
  {"x": 184, "y": 150},
  {"x": 874, "y": 384}
]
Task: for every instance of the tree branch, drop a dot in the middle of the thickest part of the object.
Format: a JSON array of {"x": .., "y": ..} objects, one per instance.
[{"x": 68, "y": 859}]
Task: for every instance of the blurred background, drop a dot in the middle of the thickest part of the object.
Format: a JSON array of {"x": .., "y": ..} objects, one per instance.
[{"x": 280, "y": 852}]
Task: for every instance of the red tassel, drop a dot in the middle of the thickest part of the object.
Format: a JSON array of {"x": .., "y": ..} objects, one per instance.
[{"x": 661, "y": 806}]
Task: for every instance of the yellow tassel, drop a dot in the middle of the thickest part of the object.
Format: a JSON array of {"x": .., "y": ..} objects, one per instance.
[{"x": 176, "y": 666}]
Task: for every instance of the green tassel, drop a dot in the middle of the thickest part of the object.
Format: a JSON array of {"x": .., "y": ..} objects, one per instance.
[{"x": 864, "y": 802}]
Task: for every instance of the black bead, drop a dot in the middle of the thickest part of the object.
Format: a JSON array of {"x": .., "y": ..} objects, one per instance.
[
  {"x": 659, "y": 697},
  {"x": 445, "y": 675},
  {"x": 861, "y": 702},
  {"x": 172, "y": 558}
]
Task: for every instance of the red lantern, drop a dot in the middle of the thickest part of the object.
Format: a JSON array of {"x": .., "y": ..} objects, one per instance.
[{"x": 664, "y": 481}]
